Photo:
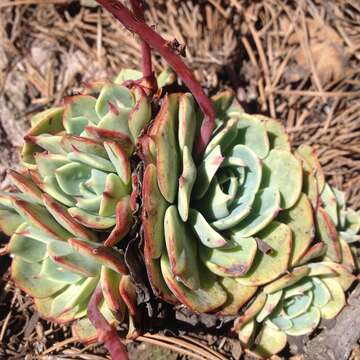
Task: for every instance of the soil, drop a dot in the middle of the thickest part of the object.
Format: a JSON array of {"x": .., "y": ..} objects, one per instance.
[{"x": 297, "y": 61}]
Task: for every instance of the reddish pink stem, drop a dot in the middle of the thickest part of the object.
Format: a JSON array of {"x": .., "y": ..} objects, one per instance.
[
  {"x": 156, "y": 42},
  {"x": 105, "y": 332},
  {"x": 138, "y": 10}
]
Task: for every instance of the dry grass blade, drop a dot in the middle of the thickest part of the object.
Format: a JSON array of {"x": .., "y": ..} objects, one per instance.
[{"x": 181, "y": 346}]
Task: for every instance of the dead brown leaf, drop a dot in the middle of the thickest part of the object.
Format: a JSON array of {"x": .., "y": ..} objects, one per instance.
[{"x": 326, "y": 49}]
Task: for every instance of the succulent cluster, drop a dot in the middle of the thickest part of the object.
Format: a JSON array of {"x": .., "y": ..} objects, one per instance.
[
  {"x": 248, "y": 223},
  {"x": 246, "y": 228}
]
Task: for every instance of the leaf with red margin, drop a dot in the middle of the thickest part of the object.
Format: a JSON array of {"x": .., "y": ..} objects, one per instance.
[
  {"x": 167, "y": 156},
  {"x": 26, "y": 277},
  {"x": 111, "y": 135},
  {"x": 63, "y": 218},
  {"x": 314, "y": 252},
  {"x": 26, "y": 185},
  {"x": 238, "y": 296},
  {"x": 110, "y": 281},
  {"x": 101, "y": 254},
  {"x": 328, "y": 234},
  {"x": 154, "y": 207},
  {"x": 124, "y": 221},
  {"x": 38, "y": 217},
  {"x": 209, "y": 297},
  {"x": 83, "y": 144},
  {"x": 156, "y": 279}
]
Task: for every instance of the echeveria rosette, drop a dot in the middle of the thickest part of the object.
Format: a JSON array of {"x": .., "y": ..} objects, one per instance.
[
  {"x": 248, "y": 217},
  {"x": 74, "y": 200},
  {"x": 80, "y": 154}
]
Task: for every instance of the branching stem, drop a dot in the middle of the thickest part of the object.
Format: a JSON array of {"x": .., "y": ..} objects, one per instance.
[{"x": 155, "y": 41}]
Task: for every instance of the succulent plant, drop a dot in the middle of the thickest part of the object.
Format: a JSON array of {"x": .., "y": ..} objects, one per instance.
[
  {"x": 235, "y": 223},
  {"x": 74, "y": 201},
  {"x": 249, "y": 222}
]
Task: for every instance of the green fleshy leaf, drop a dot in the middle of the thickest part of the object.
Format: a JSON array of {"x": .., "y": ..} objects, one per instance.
[
  {"x": 321, "y": 293},
  {"x": 252, "y": 133},
  {"x": 92, "y": 161},
  {"x": 70, "y": 176},
  {"x": 126, "y": 75},
  {"x": 26, "y": 248},
  {"x": 327, "y": 233},
  {"x": 298, "y": 305},
  {"x": 166, "y": 77},
  {"x": 72, "y": 296},
  {"x": 52, "y": 271},
  {"x": 26, "y": 276},
  {"x": 328, "y": 199},
  {"x": 224, "y": 138},
  {"x": 9, "y": 221},
  {"x": 186, "y": 182},
  {"x": 305, "y": 323},
  {"x": 311, "y": 164},
  {"x": 156, "y": 278},
  {"x": 267, "y": 267},
  {"x": 206, "y": 234},
  {"x": 221, "y": 102},
  {"x": 242, "y": 205},
  {"x": 100, "y": 254},
  {"x": 237, "y": 296},
  {"x": 230, "y": 261},
  {"x": 50, "y": 186},
  {"x": 38, "y": 217},
  {"x": 299, "y": 288},
  {"x": 163, "y": 133},
  {"x": 300, "y": 220},
  {"x": 116, "y": 121},
  {"x": 287, "y": 280},
  {"x": 337, "y": 302},
  {"x": 79, "y": 112},
  {"x": 280, "y": 320},
  {"x": 187, "y": 122},
  {"x": 47, "y": 163},
  {"x": 265, "y": 208},
  {"x": 90, "y": 220},
  {"x": 139, "y": 117},
  {"x": 82, "y": 144},
  {"x": 110, "y": 282},
  {"x": 154, "y": 206},
  {"x": 207, "y": 298},
  {"x": 283, "y": 171},
  {"x": 181, "y": 248},
  {"x": 272, "y": 300},
  {"x": 61, "y": 215},
  {"x": 317, "y": 250},
  {"x": 115, "y": 190},
  {"x": 269, "y": 342},
  {"x": 246, "y": 332},
  {"x": 64, "y": 255},
  {"x": 26, "y": 186},
  {"x": 117, "y": 95},
  {"x": 50, "y": 143},
  {"x": 278, "y": 137},
  {"x": 207, "y": 171}
]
